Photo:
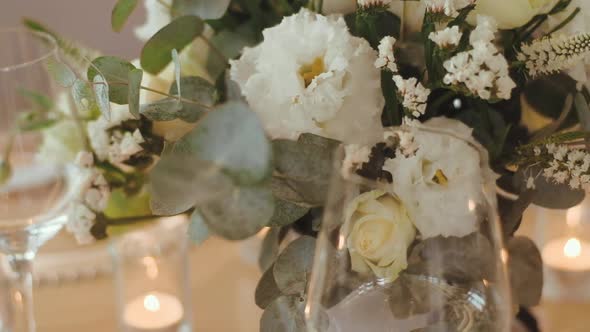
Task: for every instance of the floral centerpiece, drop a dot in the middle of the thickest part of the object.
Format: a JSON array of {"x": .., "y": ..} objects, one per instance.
[{"x": 234, "y": 109}]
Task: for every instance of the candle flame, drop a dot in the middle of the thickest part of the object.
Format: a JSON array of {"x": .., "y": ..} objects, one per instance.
[
  {"x": 572, "y": 248},
  {"x": 151, "y": 303}
]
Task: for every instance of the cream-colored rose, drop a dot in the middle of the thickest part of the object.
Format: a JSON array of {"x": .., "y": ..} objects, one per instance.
[
  {"x": 510, "y": 14},
  {"x": 380, "y": 232}
]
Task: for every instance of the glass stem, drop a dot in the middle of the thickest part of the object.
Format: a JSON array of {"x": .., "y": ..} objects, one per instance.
[{"x": 21, "y": 292}]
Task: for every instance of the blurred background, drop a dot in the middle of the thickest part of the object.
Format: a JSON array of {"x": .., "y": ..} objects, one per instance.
[{"x": 86, "y": 21}]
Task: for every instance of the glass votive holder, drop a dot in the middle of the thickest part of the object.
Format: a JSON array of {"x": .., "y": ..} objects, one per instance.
[
  {"x": 151, "y": 272},
  {"x": 564, "y": 239}
]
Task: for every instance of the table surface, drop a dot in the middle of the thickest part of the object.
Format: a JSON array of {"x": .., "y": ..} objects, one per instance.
[{"x": 223, "y": 283}]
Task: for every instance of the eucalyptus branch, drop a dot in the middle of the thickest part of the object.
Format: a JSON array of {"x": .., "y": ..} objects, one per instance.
[
  {"x": 566, "y": 21},
  {"x": 215, "y": 50}
]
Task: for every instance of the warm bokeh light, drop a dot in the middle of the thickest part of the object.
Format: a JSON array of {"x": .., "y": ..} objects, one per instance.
[
  {"x": 151, "y": 303},
  {"x": 573, "y": 216},
  {"x": 151, "y": 267},
  {"x": 572, "y": 248}
]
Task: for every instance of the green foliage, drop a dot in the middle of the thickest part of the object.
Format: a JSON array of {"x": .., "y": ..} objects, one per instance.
[
  {"x": 38, "y": 100},
  {"x": 121, "y": 12},
  {"x": 293, "y": 266},
  {"x": 240, "y": 214},
  {"x": 134, "y": 78},
  {"x": 101, "y": 90},
  {"x": 230, "y": 43},
  {"x": 116, "y": 71},
  {"x": 287, "y": 213},
  {"x": 374, "y": 23},
  {"x": 84, "y": 99},
  {"x": 267, "y": 290},
  {"x": 123, "y": 205},
  {"x": 166, "y": 109},
  {"x": 547, "y": 193},
  {"x": 157, "y": 52},
  {"x": 285, "y": 314},
  {"x": 526, "y": 271},
  {"x": 232, "y": 137},
  {"x": 198, "y": 229},
  {"x": 198, "y": 90},
  {"x": 547, "y": 95},
  {"x": 393, "y": 111},
  {"x": 60, "y": 72},
  {"x": 35, "y": 120},
  {"x": 5, "y": 171},
  {"x": 303, "y": 169},
  {"x": 205, "y": 9},
  {"x": 270, "y": 248}
]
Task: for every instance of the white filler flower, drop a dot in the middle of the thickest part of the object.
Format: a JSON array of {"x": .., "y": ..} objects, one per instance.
[
  {"x": 440, "y": 185},
  {"x": 310, "y": 75}
]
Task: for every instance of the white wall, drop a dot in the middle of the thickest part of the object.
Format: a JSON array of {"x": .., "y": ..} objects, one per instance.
[{"x": 87, "y": 21}]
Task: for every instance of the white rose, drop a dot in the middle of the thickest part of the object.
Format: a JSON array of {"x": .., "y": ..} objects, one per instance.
[
  {"x": 510, "y": 14},
  {"x": 310, "y": 75},
  {"x": 442, "y": 183},
  {"x": 380, "y": 233}
]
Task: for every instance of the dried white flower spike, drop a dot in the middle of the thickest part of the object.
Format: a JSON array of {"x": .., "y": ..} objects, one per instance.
[
  {"x": 553, "y": 54},
  {"x": 386, "y": 57}
]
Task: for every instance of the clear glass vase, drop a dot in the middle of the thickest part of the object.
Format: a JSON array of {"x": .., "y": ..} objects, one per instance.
[
  {"x": 150, "y": 269},
  {"x": 416, "y": 246}
]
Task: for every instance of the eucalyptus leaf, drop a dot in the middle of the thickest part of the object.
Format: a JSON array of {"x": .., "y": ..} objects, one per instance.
[
  {"x": 84, "y": 99},
  {"x": 241, "y": 214},
  {"x": 526, "y": 271},
  {"x": 270, "y": 248},
  {"x": 230, "y": 44},
  {"x": 35, "y": 120},
  {"x": 116, "y": 72},
  {"x": 266, "y": 290},
  {"x": 157, "y": 52},
  {"x": 39, "y": 100},
  {"x": 198, "y": 90},
  {"x": 135, "y": 77},
  {"x": 467, "y": 258},
  {"x": 549, "y": 194},
  {"x": 205, "y": 9},
  {"x": 60, "y": 72},
  {"x": 177, "y": 69},
  {"x": 121, "y": 12},
  {"x": 285, "y": 314},
  {"x": 180, "y": 180},
  {"x": 166, "y": 109},
  {"x": 232, "y": 137},
  {"x": 293, "y": 266},
  {"x": 101, "y": 90},
  {"x": 303, "y": 168},
  {"x": 287, "y": 213},
  {"x": 198, "y": 230}
]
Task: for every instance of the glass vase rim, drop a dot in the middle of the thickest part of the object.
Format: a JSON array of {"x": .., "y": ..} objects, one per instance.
[{"x": 52, "y": 48}]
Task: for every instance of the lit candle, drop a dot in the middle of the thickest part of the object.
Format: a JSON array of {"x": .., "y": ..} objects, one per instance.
[
  {"x": 153, "y": 312},
  {"x": 568, "y": 254}
]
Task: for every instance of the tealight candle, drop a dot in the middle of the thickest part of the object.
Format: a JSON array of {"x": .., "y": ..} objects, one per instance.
[
  {"x": 153, "y": 312},
  {"x": 567, "y": 254}
]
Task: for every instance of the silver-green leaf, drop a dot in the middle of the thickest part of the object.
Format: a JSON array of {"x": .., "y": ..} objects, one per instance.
[
  {"x": 241, "y": 214},
  {"x": 198, "y": 230},
  {"x": 200, "y": 92},
  {"x": 60, "y": 72},
  {"x": 287, "y": 213},
  {"x": 270, "y": 248},
  {"x": 293, "y": 266},
  {"x": 101, "y": 90},
  {"x": 116, "y": 72},
  {"x": 285, "y": 314},
  {"x": 266, "y": 290},
  {"x": 84, "y": 98},
  {"x": 526, "y": 271},
  {"x": 121, "y": 12},
  {"x": 135, "y": 77},
  {"x": 157, "y": 52},
  {"x": 232, "y": 137},
  {"x": 166, "y": 109}
]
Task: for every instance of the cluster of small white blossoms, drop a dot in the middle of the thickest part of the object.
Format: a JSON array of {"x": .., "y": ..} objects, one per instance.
[
  {"x": 448, "y": 7},
  {"x": 553, "y": 54},
  {"x": 386, "y": 57},
  {"x": 373, "y": 3},
  {"x": 407, "y": 145},
  {"x": 414, "y": 94},
  {"x": 483, "y": 70},
  {"x": 93, "y": 198},
  {"x": 447, "y": 37},
  {"x": 569, "y": 165},
  {"x": 111, "y": 144}
]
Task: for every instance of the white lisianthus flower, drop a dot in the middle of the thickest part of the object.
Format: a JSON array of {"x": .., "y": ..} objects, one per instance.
[
  {"x": 510, "y": 14},
  {"x": 310, "y": 75},
  {"x": 441, "y": 183},
  {"x": 379, "y": 234}
]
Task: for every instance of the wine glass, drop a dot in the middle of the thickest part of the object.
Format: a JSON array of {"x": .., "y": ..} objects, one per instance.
[
  {"x": 34, "y": 193},
  {"x": 413, "y": 244}
]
